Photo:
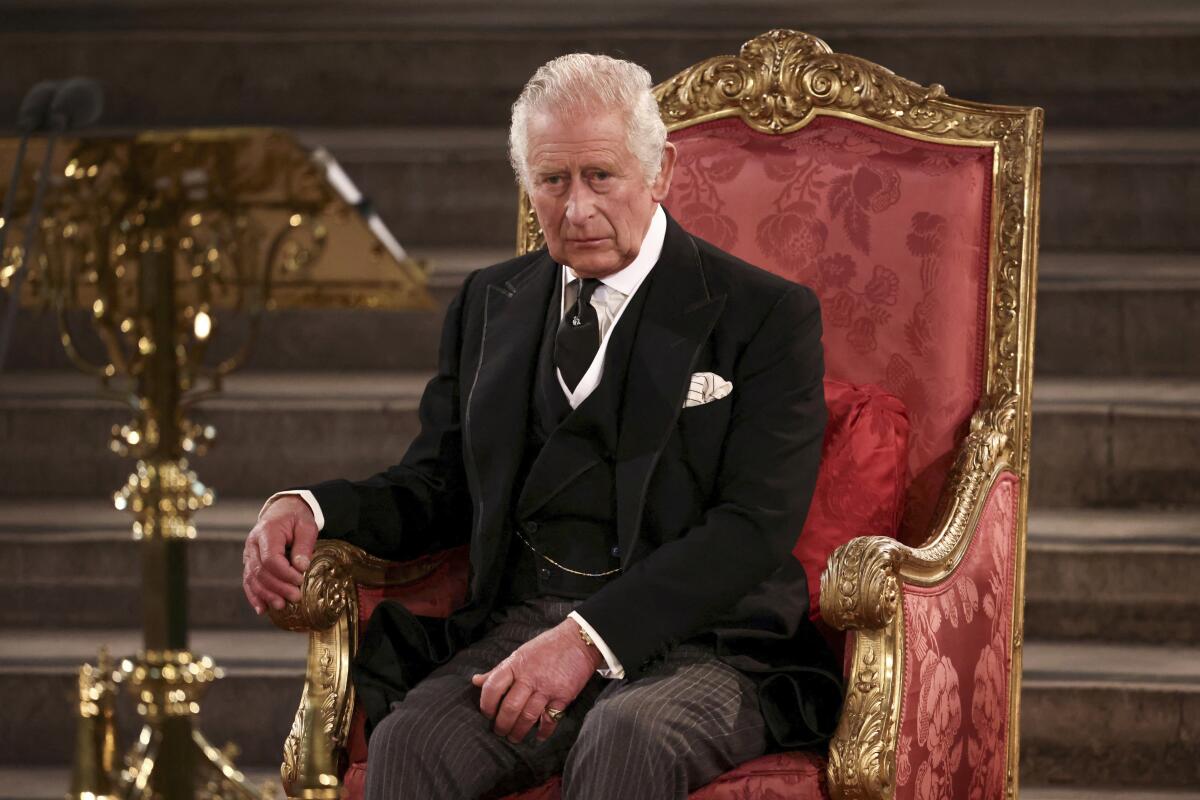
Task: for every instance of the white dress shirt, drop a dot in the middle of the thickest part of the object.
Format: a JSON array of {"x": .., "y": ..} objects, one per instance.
[{"x": 610, "y": 301}]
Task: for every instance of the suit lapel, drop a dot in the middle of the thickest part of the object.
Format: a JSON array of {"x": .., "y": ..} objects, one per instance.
[
  {"x": 677, "y": 320},
  {"x": 498, "y": 402}
]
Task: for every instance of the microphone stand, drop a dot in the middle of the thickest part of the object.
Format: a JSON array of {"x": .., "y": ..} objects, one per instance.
[{"x": 29, "y": 240}]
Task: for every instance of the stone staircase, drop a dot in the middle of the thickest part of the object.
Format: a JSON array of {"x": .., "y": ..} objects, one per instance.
[{"x": 413, "y": 99}]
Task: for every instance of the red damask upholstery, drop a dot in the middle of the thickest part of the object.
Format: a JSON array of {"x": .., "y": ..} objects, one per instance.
[
  {"x": 957, "y": 660},
  {"x": 891, "y": 232},
  {"x": 860, "y": 491}
]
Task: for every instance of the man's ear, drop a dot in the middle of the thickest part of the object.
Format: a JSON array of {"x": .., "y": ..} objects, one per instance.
[{"x": 662, "y": 183}]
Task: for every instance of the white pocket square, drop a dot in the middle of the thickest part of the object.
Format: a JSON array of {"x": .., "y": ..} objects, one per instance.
[{"x": 706, "y": 387}]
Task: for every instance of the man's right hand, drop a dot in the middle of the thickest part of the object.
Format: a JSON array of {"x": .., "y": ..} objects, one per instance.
[{"x": 286, "y": 528}]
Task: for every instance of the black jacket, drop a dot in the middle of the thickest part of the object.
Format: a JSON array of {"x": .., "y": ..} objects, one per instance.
[{"x": 710, "y": 499}]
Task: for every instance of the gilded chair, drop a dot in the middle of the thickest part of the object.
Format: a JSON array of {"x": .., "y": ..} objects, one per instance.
[{"x": 914, "y": 218}]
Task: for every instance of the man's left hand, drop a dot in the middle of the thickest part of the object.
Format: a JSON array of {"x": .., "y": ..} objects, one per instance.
[{"x": 548, "y": 671}]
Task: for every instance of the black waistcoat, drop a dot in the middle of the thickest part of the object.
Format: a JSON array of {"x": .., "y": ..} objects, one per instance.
[{"x": 564, "y": 506}]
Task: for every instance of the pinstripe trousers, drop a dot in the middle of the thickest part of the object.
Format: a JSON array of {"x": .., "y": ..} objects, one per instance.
[{"x": 686, "y": 720}]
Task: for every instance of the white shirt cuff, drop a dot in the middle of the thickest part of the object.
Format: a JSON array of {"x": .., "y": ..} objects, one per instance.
[
  {"x": 305, "y": 495},
  {"x": 615, "y": 671}
]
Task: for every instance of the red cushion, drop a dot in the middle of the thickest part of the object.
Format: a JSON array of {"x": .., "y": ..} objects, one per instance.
[{"x": 862, "y": 478}]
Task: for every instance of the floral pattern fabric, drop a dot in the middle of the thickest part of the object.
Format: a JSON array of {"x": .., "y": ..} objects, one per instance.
[
  {"x": 890, "y": 232},
  {"x": 957, "y": 659}
]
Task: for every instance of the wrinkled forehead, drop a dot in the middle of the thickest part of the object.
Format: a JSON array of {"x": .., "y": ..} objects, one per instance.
[{"x": 562, "y": 138}]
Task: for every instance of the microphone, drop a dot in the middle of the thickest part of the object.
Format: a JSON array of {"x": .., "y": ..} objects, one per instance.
[
  {"x": 77, "y": 104},
  {"x": 55, "y": 107},
  {"x": 32, "y": 114}
]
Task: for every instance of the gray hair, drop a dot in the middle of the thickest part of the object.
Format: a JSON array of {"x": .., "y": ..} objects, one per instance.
[{"x": 588, "y": 83}]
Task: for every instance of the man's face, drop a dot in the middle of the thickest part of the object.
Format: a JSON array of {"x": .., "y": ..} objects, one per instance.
[{"x": 589, "y": 191}]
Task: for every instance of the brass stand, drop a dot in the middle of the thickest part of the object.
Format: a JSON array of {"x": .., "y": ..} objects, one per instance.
[
  {"x": 152, "y": 234},
  {"x": 95, "y": 735}
]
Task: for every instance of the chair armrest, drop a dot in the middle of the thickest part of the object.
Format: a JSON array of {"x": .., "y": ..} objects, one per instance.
[
  {"x": 903, "y": 667},
  {"x": 330, "y": 612}
]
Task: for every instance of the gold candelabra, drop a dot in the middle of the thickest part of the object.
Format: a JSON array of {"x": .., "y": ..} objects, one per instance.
[{"x": 153, "y": 234}]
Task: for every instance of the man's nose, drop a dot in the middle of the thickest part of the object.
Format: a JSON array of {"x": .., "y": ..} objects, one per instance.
[{"x": 581, "y": 203}]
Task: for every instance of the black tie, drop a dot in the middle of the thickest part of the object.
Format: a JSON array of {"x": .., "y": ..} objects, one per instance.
[{"x": 578, "y": 336}]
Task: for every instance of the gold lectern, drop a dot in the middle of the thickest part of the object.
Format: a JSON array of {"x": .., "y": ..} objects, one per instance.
[{"x": 154, "y": 233}]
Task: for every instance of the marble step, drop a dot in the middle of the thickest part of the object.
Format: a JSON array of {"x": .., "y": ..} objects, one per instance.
[
  {"x": 1117, "y": 576},
  {"x": 463, "y": 62},
  {"x": 1091, "y": 715},
  {"x": 1103, "y": 314},
  {"x": 1097, "y": 442}
]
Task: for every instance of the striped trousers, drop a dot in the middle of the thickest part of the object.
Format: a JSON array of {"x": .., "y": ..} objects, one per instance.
[{"x": 686, "y": 720}]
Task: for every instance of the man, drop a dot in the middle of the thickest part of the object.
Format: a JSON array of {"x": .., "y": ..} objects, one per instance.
[{"x": 625, "y": 428}]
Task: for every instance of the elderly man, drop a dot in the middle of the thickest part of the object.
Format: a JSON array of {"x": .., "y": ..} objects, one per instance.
[{"x": 625, "y": 429}]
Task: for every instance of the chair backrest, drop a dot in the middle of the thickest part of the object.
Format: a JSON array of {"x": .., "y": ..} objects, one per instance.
[
  {"x": 912, "y": 215},
  {"x": 892, "y": 235}
]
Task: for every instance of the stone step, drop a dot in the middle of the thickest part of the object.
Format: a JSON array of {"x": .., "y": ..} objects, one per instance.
[
  {"x": 51, "y": 783},
  {"x": 1097, "y": 442},
  {"x": 252, "y": 705},
  {"x": 1118, "y": 314},
  {"x": 379, "y": 63},
  {"x": 1107, "y": 576},
  {"x": 1092, "y": 575},
  {"x": 1113, "y": 575},
  {"x": 276, "y": 430},
  {"x": 1103, "y": 314},
  {"x": 295, "y": 339},
  {"x": 73, "y": 564},
  {"x": 1109, "y": 715},
  {"x": 1115, "y": 442},
  {"x": 1125, "y": 189}
]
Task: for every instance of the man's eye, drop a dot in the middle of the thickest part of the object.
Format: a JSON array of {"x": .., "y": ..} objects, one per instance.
[{"x": 601, "y": 175}]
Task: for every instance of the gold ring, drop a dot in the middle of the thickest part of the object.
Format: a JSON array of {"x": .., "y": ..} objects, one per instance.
[{"x": 555, "y": 714}]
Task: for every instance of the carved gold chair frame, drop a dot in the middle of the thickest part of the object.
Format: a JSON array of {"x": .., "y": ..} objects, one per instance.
[{"x": 779, "y": 83}]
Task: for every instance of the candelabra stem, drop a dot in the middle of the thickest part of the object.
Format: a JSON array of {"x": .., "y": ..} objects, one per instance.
[
  {"x": 164, "y": 587},
  {"x": 164, "y": 554}
]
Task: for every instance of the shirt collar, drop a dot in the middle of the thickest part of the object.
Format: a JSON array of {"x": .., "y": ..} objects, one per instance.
[{"x": 627, "y": 280}]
